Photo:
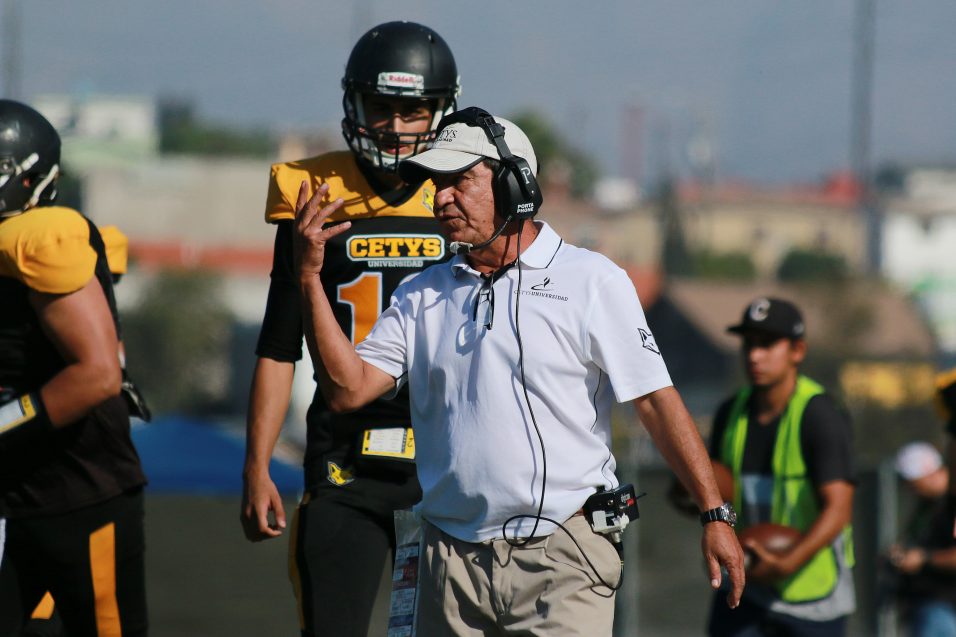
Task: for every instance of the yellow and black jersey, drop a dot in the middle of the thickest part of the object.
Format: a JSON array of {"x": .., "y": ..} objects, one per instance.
[
  {"x": 56, "y": 250},
  {"x": 387, "y": 243}
]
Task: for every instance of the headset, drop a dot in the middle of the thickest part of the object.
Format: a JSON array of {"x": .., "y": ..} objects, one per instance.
[{"x": 516, "y": 190}]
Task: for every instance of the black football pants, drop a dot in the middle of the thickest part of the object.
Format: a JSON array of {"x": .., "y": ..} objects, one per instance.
[
  {"x": 90, "y": 560},
  {"x": 337, "y": 551}
]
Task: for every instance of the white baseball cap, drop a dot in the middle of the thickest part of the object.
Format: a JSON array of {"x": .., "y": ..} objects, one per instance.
[
  {"x": 459, "y": 146},
  {"x": 917, "y": 460}
]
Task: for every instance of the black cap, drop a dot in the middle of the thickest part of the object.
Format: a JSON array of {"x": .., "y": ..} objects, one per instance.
[{"x": 771, "y": 316}]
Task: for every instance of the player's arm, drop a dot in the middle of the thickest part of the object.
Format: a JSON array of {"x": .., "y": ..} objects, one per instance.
[
  {"x": 279, "y": 346},
  {"x": 674, "y": 433},
  {"x": 914, "y": 560},
  {"x": 80, "y": 326},
  {"x": 346, "y": 381},
  {"x": 268, "y": 404}
]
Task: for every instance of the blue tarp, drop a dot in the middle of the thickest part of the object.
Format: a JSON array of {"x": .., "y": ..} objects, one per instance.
[{"x": 183, "y": 455}]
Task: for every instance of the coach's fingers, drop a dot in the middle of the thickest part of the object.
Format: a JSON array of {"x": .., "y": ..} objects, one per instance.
[
  {"x": 310, "y": 217},
  {"x": 303, "y": 197},
  {"x": 735, "y": 571},
  {"x": 306, "y": 207},
  {"x": 721, "y": 548}
]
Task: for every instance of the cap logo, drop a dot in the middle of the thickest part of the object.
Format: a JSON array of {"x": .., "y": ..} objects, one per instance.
[
  {"x": 759, "y": 310},
  {"x": 395, "y": 79},
  {"x": 447, "y": 135}
]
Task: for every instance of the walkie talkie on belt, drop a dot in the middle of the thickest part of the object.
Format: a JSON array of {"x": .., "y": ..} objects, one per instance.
[{"x": 609, "y": 512}]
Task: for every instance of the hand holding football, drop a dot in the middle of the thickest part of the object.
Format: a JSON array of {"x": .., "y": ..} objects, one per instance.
[{"x": 774, "y": 538}]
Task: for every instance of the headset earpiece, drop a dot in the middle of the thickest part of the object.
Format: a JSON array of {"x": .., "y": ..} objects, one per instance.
[{"x": 518, "y": 190}]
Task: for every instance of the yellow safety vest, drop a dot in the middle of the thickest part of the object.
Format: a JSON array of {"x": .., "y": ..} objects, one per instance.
[{"x": 794, "y": 501}]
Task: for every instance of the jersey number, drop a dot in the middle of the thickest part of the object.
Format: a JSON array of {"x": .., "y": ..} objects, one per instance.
[{"x": 364, "y": 296}]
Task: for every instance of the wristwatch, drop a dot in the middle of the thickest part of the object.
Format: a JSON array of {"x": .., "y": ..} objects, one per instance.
[{"x": 724, "y": 513}]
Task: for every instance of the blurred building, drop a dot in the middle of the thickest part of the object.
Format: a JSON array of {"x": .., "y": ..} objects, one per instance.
[
  {"x": 868, "y": 336},
  {"x": 102, "y": 129},
  {"x": 178, "y": 211},
  {"x": 764, "y": 223},
  {"x": 919, "y": 233}
]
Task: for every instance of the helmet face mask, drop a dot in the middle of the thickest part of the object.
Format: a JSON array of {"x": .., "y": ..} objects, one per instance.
[
  {"x": 406, "y": 66},
  {"x": 29, "y": 159}
]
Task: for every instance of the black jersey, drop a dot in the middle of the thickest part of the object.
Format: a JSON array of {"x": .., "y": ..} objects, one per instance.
[
  {"x": 56, "y": 250},
  {"x": 389, "y": 241}
]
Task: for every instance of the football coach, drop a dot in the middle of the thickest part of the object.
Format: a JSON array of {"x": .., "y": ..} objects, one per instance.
[{"x": 514, "y": 351}]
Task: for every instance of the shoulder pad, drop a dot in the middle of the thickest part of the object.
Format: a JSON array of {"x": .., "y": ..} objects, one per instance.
[
  {"x": 346, "y": 181},
  {"x": 117, "y": 248},
  {"x": 48, "y": 249}
]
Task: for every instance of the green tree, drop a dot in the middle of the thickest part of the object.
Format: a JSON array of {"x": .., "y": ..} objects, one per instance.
[
  {"x": 736, "y": 266},
  {"x": 177, "y": 342},
  {"x": 811, "y": 265},
  {"x": 181, "y": 132},
  {"x": 555, "y": 154}
]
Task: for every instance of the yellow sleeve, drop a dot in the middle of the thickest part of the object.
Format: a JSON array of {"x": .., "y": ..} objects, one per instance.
[
  {"x": 117, "y": 248},
  {"x": 48, "y": 249}
]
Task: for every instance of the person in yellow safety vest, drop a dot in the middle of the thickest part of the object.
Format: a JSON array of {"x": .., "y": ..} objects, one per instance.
[{"x": 789, "y": 447}]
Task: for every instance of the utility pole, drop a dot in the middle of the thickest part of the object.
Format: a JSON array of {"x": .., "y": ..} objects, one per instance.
[
  {"x": 861, "y": 129},
  {"x": 10, "y": 35}
]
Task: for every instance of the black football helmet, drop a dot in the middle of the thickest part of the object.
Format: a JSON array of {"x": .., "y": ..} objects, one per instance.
[
  {"x": 396, "y": 59},
  {"x": 29, "y": 159}
]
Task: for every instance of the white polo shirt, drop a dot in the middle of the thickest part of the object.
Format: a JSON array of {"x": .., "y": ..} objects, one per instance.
[{"x": 586, "y": 342}]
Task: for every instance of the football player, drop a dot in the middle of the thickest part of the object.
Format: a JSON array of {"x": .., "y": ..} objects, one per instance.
[
  {"x": 70, "y": 478},
  {"x": 400, "y": 79}
]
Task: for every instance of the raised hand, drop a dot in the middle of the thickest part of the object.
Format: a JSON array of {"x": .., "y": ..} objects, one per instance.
[{"x": 311, "y": 235}]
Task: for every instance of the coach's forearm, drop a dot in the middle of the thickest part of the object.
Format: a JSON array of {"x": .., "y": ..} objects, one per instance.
[
  {"x": 674, "y": 433},
  {"x": 342, "y": 375}
]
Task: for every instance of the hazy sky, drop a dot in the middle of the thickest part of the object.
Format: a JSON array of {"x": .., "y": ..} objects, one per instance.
[{"x": 768, "y": 82}]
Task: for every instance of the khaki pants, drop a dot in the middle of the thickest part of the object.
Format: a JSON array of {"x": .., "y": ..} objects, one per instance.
[{"x": 544, "y": 588}]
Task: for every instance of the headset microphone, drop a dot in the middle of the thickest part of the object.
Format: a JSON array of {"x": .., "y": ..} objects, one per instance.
[{"x": 462, "y": 247}]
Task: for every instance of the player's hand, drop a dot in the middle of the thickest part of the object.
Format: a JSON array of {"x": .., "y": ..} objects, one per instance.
[
  {"x": 308, "y": 246},
  {"x": 260, "y": 497},
  {"x": 767, "y": 567},
  {"x": 721, "y": 548}
]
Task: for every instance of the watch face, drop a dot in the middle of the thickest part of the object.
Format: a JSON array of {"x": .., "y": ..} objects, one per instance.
[{"x": 730, "y": 516}]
